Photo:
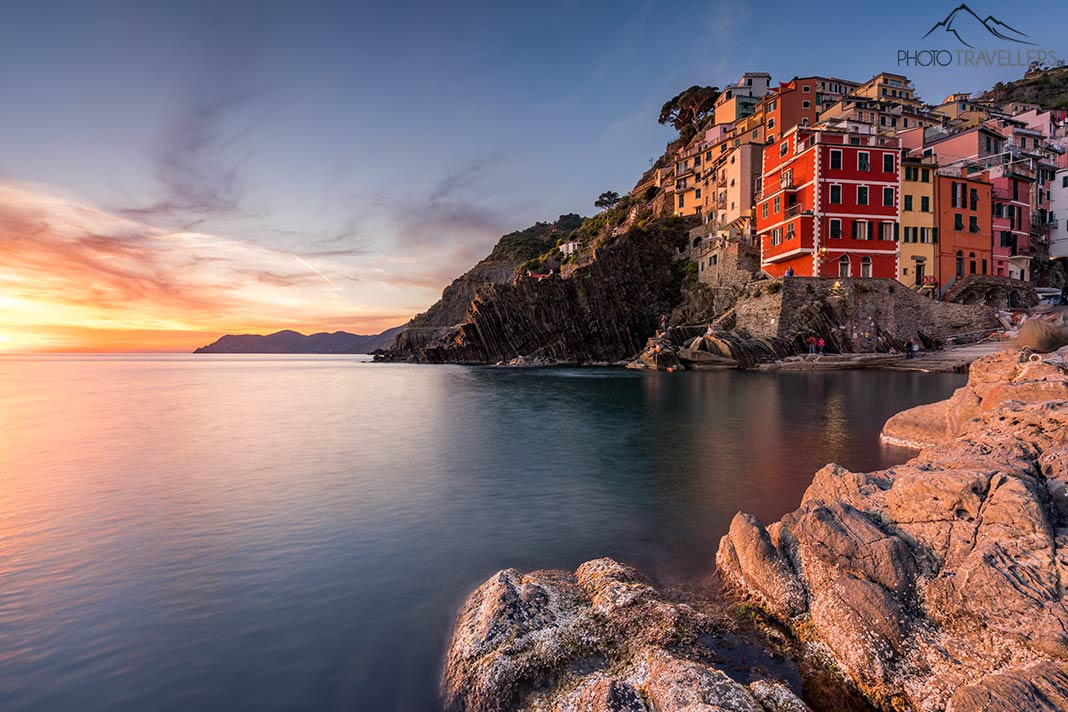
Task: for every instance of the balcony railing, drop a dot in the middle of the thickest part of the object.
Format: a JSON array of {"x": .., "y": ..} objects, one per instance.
[{"x": 792, "y": 210}]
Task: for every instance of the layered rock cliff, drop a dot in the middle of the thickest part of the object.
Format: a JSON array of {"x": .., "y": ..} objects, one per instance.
[
  {"x": 499, "y": 267},
  {"x": 939, "y": 584},
  {"x": 603, "y": 311}
]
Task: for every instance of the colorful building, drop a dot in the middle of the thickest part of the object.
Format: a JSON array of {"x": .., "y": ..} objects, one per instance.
[
  {"x": 740, "y": 99},
  {"x": 1011, "y": 225},
  {"x": 828, "y": 204},
  {"x": 1058, "y": 242},
  {"x": 799, "y": 102},
  {"x": 918, "y": 266},
  {"x": 964, "y": 226}
]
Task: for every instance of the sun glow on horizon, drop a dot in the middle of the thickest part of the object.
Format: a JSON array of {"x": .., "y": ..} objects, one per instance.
[{"x": 75, "y": 278}]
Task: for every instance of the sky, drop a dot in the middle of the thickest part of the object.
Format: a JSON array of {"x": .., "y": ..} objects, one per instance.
[{"x": 174, "y": 171}]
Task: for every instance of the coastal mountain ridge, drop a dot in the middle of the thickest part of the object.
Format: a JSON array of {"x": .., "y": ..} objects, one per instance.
[{"x": 288, "y": 341}]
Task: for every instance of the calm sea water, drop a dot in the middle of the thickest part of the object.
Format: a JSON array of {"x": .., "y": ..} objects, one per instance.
[{"x": 294, "y": 533}]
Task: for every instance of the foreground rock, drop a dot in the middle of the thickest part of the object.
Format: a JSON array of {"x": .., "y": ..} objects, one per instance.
[
  {"x": 599, "y": 640},
  {"x": 939, "y": 584}
]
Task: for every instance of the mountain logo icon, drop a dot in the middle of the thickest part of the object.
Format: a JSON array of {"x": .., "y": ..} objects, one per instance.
[{"x": 964, "y": 22}]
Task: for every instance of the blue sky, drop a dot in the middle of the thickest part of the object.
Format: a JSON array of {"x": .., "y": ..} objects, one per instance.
[{"x": 401, "y": 139}]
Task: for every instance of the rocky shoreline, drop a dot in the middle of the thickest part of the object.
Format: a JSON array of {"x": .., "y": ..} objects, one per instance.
[{"x": 938, "y": 584}]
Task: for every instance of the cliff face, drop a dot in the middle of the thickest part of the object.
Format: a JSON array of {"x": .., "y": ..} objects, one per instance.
[
  {"x": 498, "y": 267},
  {"x": 603, "y": 311},
  {"x": 939, "y": 584}
]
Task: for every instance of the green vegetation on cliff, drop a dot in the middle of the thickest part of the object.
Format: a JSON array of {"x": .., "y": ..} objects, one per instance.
[{"x": 1048, "y": 89}]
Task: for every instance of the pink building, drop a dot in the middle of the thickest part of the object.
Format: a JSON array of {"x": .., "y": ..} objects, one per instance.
[{"x": 1012, "y": 219}]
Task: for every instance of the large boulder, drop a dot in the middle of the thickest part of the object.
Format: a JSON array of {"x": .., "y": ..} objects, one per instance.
[
  {"x": 601, "y": 639},
  {"x": 937, "y": 584}
]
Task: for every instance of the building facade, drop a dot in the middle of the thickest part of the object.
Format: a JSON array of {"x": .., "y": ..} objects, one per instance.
[
  {"x": 964, "y": 227},
  {"x": 828, "y": 205},
  {"x": 918, "y": 266}
]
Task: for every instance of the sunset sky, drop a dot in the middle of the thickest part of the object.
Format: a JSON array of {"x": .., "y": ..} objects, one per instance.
[{"x": 170, "y": 172}]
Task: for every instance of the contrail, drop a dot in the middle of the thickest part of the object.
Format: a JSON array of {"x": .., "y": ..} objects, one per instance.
[{"x": 303, "y": 262}]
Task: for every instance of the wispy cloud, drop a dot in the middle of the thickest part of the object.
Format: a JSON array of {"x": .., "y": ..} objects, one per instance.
[{"x": 65, "y": 264}]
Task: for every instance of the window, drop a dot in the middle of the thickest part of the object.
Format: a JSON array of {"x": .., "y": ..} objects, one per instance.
[
  {"x": 958, "y": 221},
  {"x": 1064, "y": 182},
  {"x": 862, "y": 195},
  {"x": 682, "y": 199},
  {"x": 836, "y": 228},
  {"x": 908, "y": 202},
  {"x": 863, "y": 161},
  {"x": 860, "y": 230},
  {"x": 697, "y": 193},
  {"x": 790, "y": 231},
  {"x": 764, "y": 210},
  {"x": 973, "y": 224},
  {"x": 776, "y": 236},
  {"x": 865, "y": 267},
  {"x": 910, "y": 173},
  {"x": 771, "y": 123},
  {"x": 778, "y": 204},
  {"x": 971, "y": 262},
  {"x": 973, "y": 199},
  {"x": 836, "y": 160},
  {"x": 806, "y": 88},
  {"x": 888, "y": 197},
  {"x": 925, "y": 175},
  {"x": 836, "y": 195},
  {"x": 925, "y": 235},
  {"x": 887, "y": 229},
  {"x": 925, "y": 204},
  {"x": 888, "y": 163},
  {"x": 960, "y": 264},
  {"x": 954, "y": 190},
  {"x": 844, "y": 266},
  {"x": 806, "y": 104},
  {"x": 783, "y": 148}
]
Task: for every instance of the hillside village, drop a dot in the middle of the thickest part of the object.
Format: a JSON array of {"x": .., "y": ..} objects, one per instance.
[
  {"x": 863, "y": 212},
  {"x": 829, "y": 177}
]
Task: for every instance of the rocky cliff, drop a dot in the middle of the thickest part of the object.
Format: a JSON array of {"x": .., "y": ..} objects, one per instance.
[
  {"x": 603, "y": 311},
  {"x": 499, "y": 267},
  {"x": 939, "y": 584}
]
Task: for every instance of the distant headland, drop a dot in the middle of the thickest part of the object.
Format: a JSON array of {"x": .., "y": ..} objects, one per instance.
[{"x": 293, "y": 342}]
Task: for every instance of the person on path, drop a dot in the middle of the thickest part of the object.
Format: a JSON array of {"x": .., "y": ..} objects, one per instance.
[
  {"x": 811, "y": 345},
  {"x": 822, "y": 344},
  {"x": 909, "y": 353}
]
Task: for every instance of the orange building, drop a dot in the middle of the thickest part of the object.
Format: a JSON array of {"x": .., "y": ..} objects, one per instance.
[
  {"x": 965, "y": 228},
  {"x": 799, "y": 102}
]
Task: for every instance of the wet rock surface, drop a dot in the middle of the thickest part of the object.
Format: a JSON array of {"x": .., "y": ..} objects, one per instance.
[{"x": 938, "y": 584}]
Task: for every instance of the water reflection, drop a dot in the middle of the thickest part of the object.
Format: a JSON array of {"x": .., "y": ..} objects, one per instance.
[{"x": 293, "y": 533}]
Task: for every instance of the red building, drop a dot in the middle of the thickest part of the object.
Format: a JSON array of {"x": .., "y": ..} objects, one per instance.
[{"x": 829, "y": 205}]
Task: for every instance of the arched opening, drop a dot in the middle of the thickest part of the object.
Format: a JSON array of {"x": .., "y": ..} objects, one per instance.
[
  {"x": 960, "y": 264},
  {"x": 971, "y": 262},
  {"x": 696, "y": 241},
  {"x": 845, "y": 267},
  {"x": 865, "y": 267}
]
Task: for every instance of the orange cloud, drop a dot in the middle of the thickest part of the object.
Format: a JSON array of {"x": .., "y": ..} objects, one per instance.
[{"x": 77, "y": 278}]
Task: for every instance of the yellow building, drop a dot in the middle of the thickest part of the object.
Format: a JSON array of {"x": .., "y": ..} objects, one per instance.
[{"x": 918, "y": 236}]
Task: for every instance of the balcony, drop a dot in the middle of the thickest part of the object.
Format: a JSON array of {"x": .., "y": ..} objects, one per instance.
[{"x": 793, "y": 210}]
